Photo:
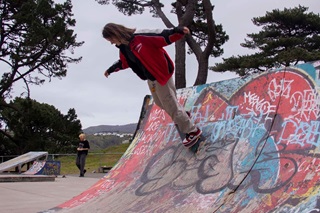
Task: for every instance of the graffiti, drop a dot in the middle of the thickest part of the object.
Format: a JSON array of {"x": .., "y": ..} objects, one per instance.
[
  {"x": 35, "y": 168},
  {"x": 260, "y": 152},
  {"x": 256, "y": 104},
  {"x": 306, "y": 166},
  {"x": 306, "y": 104},
  {"x": 269, "y": 167},
  {"x": 211, "y": 169},
  {"x": 240, "y": 127},
  {"x": 304, "y": 133},
  {"x": 281, "y": 88},
  {"x": 51, "y": 168},
  {"x": 44, "y": 168},
  {"x": 298, "y": 210}
]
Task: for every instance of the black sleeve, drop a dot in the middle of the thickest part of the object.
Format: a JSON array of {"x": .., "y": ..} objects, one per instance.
[
  {"x": 87, "y": 145},
  {"x": 178, "y": 30},
  {"x": 115, "y": 67}
]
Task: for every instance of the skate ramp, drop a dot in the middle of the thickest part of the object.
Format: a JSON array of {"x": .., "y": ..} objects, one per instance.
[
  {"x": 261, "y": 152},
  {"x": 44, "y": 167},
  {"x": 19, "y": 161},
  {"x": 36, "y": 167}
]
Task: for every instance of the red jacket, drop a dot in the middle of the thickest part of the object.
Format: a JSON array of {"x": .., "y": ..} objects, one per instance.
[{"x": 147, "y": 47}]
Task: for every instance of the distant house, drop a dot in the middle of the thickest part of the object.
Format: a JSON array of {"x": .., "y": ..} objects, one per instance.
[{"x": 121, "y": 135}]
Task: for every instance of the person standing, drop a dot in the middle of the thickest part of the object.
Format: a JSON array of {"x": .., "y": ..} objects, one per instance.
[
  {"x": 143, "y": 52},
  {"x": 82, "y": 150}
]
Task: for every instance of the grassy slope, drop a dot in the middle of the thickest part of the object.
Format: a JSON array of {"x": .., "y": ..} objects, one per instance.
[{"x": 94, "y": 161}]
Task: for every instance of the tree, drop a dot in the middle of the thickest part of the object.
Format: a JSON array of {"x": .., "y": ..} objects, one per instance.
[
  {"x": 287, "y": 38},
  {"x": 206, "y": 37},
  {"x": 32, "y": 126},
  {"x": 34, "y": 37}
]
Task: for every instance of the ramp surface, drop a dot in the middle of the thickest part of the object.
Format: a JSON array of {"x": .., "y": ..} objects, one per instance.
[
  {"x": 36, "y": 168},
  {"x": 261, "y": 152},
  {"x": 22, "y": 159},
  {"x": 44, "y": 167}
]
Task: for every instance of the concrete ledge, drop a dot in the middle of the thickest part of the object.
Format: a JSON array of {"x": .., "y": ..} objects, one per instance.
[{"x": 27, "y": 178}]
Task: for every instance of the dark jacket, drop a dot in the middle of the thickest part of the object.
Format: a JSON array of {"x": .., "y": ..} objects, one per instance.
[{"x": 149, "y": 60}]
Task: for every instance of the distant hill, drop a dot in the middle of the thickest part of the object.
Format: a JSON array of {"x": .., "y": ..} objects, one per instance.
[{"x": 127, "y": 128}]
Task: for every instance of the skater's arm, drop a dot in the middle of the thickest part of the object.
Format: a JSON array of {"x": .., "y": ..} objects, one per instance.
[
  {"x": 81, "y": 149},
  {"x": 161, "y": 38},
  {"x": 114, "y": 68},
  {"x": 118, "y": 65}
]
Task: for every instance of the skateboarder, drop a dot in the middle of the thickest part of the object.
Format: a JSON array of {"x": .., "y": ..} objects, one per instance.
[{"x": 143, "y": 52}]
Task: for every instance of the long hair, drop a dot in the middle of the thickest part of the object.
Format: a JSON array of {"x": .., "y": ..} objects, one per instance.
[{"x": 117, "y": 31}]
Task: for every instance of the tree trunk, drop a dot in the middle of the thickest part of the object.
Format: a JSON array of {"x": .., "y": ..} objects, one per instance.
[
  {"x": 202, "y": 70},
  {"x": 180, "y": 68}
]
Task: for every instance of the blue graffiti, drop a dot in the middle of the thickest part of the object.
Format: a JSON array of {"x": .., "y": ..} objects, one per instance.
[{"x": 304, "y": 133}]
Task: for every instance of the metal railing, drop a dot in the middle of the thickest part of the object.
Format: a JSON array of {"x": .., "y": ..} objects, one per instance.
[{"x": 53, "y": 156}]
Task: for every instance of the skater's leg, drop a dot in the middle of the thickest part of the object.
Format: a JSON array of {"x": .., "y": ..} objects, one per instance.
[{"x": 165, "y": 97}]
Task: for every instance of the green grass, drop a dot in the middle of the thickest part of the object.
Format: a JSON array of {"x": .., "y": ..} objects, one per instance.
[{"x": 110, "y": 157}]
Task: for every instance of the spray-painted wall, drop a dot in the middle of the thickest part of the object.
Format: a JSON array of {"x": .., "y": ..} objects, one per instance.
[
  {"x": 261, "y": 152},
  {"x": 44, "y": 168}
]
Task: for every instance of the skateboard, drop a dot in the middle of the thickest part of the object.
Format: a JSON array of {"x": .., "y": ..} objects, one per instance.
[{"x": 197, "y": 146}]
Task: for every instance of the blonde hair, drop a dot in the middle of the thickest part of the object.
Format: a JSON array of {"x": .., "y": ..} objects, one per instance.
[
  {"x": 82, "y": 135},
  {"x": 117, "y": 31}
]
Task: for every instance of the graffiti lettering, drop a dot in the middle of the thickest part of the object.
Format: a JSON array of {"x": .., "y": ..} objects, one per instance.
[
  {"x": 256, "y": 104},
  {"x": 306, "y": 104},
  {"x": 307, "y": 166},
  {"x": 304, "y": 133},
  {"x": 157, "y": 114},
  {"x": 283, "y": 88}
]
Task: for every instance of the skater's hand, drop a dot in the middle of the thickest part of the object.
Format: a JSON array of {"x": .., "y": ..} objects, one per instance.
[
  {"x": 106, "y": 74},
  {"x": 186, "y": 30}
]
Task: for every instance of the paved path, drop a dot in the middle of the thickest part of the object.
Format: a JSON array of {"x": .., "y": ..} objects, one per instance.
[{"x": 31, "y": 197}]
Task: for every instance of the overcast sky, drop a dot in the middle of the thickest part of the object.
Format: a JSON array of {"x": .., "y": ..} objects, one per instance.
[{"x": 117, "y": 100}]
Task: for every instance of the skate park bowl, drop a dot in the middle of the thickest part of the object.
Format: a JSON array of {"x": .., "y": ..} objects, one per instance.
[{"x": 260, "y": 154}]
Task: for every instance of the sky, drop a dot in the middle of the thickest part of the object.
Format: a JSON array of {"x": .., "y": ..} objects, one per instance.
[{"x": 117, "y": 100}]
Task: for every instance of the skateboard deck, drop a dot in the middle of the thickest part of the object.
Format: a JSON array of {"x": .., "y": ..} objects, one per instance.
[{"x": 198, "y": 145}]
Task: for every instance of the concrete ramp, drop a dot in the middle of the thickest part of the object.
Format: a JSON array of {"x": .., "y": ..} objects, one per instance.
[
  {"x": 19, "y": 161},
  {"x": 36, "y": 168},
  {"x": 44, "y": 167},
  {"x": 261, "y": 152}
]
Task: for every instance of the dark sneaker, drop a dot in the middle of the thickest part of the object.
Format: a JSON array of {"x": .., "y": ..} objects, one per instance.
[
  {"x": 84, "y": 171},
  {"x": 192, "y": 138}
]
